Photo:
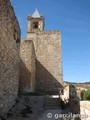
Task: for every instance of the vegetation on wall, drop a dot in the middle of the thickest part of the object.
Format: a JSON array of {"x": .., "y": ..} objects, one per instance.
[{"x": 85, "y": 95}]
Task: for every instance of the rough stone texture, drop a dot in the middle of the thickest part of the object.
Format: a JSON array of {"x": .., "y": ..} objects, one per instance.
[
  {"x": 85, "y": 109},
  {"x": 31, "y": 23},
  {"x": 27, "y": 67},
  {"x": 64, "y": 95},
  {"x": 80, "y": 107},
  {"x": 48, "y": 50},
  {"x": 75, "y": 106},
  {"x": 9, "y": 56},
  {"x": 69, "y": 93},
  {"x": 49, "y": 61}
]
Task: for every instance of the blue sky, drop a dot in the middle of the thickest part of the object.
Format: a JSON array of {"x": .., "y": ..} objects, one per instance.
[{"x": 72, "y": 18}]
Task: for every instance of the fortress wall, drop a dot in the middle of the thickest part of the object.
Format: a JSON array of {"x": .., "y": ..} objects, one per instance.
[
  {"x": 49, "y": 76},
  {"x": 27, "y": 67},
  {"x": 9, "y": 56}
]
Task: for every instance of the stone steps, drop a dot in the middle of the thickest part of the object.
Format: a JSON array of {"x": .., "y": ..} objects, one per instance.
[{"x": 52, "y": 102}]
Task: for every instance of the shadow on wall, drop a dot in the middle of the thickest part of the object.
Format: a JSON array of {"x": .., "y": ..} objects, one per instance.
[
  {"x": 72, "y": 110},
  {"x": 24, "y": 78},
  {"x": 75, "y": 108},
  {"x": 45, "y": 82},
  {"x": 73, "y": 92},
  {"x": 74, "y": 102}
]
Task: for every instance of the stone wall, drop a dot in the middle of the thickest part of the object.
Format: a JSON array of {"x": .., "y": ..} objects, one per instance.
[
  {"x": 48, "y": 51},
  {"x": 65, "y": 95},
  {"x": 85, "y": 110},
  {"x": 80, "y": 107},
  {"x": 9, "y": 56},
  {"x": 75, "y": 106},
  {"x": 27, "y": 67}
]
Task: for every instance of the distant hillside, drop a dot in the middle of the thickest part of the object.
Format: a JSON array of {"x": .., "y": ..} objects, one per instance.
[{"x": 84, "y": 85}]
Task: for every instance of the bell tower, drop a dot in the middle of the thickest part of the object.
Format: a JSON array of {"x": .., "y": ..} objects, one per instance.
[{"x": 35, "y": 23}]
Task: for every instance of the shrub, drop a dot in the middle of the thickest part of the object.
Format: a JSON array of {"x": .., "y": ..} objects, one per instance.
[{"x": 85, "y": 95}]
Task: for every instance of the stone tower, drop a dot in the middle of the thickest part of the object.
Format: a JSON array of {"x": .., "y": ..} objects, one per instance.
[
  {"x": 35, "y": 23},
  {"x": 48, "y": 76}
]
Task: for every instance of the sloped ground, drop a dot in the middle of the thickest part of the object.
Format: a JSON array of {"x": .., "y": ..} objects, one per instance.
[
  {"x": 29, "y": 107},
  {"x": 26, "y": 108}
]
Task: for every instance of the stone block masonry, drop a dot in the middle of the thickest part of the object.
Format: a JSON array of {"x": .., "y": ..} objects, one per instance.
[
  {"x": 27, "y": 67},
  {"x": 9, "y": 56},
  {"x": 48, "y": 50},
  {"x": 49, "y": 61}
]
